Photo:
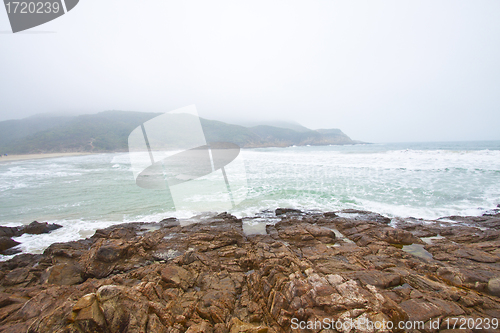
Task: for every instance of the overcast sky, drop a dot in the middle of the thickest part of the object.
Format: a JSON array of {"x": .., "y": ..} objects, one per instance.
[{"x": 381, "y": 71}]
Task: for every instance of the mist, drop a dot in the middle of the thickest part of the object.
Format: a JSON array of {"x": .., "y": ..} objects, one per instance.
[{"x": 385, "y": 71}]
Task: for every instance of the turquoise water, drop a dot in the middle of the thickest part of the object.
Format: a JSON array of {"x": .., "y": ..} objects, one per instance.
[{"x": 423, "y": 180}]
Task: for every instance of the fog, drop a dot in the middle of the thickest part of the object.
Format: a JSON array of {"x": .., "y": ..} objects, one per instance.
[{"x": 382, "y": 71}]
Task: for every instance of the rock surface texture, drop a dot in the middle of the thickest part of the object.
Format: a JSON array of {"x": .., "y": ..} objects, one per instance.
[{"x": 212, "y": 277}]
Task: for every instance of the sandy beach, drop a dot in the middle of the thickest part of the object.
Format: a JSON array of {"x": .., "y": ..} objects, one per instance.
[{"x": 11, "y": 158}]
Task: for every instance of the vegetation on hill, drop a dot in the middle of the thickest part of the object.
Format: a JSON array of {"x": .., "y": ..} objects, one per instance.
[{"x": 109, "y": 131}]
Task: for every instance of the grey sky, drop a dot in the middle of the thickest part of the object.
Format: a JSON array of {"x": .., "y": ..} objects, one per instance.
[{"x": 379, "y": 70}]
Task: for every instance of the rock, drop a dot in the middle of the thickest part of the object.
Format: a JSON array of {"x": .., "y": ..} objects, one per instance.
[
  {"x": 155, "y": 325},
  {"x": 123, "y": 308},
  {"x": 7, "y": 243},
  {"x": 281, "y": 211},
  {"x": 208, "y": 276},
  {"x": 9, "y": 231},
  {"x": 63, "y": 274},
  {"x": 111, "y": 251},
  {"x": 398, "y": 236},
  {"x": 451, "y": 275},
  {"x": 324, "y": 235},
  {"x": 237, "y": 326},
  {"x": 494, "y": 287},
  {"x": 378, "y": 279},
  {"x": 88, "y": 316},
  {"x": 37, "y": 228},
  {"x": 175, "y": 276},
  {"x": 423, "y": 310},
  {"x": 16, "y": 276},
  {"x": 203, "y": 327}
]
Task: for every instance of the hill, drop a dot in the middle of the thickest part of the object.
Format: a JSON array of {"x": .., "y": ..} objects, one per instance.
[{"x": 109, "y": 131}]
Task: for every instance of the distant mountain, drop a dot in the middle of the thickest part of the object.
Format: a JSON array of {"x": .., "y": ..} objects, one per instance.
[
  {"x": 281, "y": 124},
  {"x": 109, "y": 131}
]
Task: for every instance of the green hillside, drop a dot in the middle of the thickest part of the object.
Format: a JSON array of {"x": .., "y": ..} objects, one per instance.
[{"x": 109, "y": 131}]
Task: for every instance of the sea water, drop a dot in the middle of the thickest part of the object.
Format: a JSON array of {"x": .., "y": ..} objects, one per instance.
[{"x": 422, "y": 180}]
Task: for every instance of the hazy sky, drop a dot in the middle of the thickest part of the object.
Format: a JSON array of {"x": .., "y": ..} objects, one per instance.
[{"x": 379, "y": 70}]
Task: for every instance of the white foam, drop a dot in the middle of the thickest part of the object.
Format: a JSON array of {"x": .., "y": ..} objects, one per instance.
[{"x": 72, "y": 230}]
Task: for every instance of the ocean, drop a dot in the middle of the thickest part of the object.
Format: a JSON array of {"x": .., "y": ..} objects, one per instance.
[{"x": 422, "y": 180}]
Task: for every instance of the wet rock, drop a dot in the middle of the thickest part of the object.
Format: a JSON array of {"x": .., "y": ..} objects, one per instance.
[
  {"x": 281, "y": 211},
  {"x": 123, "y": 308},
  {"x": 36, "y": 228},
  {"x": 7, "y": 243},
  {"x": 9, "y": 231}
]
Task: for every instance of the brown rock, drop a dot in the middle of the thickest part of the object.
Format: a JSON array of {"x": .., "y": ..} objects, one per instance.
[
  {"x": 211, "y": 277},
  {"x": 419, "y": 310},
  {"x": 9, "y": 231},
  {"x": 37, "y": 228},
  {"x": 376, "y": 278},
  {"x": 177, "y": 277},
  {"x": 237, "y": 326},
  {"x": 63, "y": 274},
  {"x": 451, "y": 275},
  {"x": 203, "y": 327},
  {"x": 494, "y": 287},
  {"x": 155, "y": 325},
  {"x": 88, "y": 315},
  {"x": 123, "y": 308},
  {"x": 16, "y": 276},
  {"x": 281, "y": 211},
  {"x": 7, "y": 243}
]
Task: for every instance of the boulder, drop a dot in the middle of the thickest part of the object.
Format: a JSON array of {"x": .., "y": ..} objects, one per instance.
[
  {"x": 494, "y": 287},
  {"x": 123, "y": 309},
  {"x": 9, "y": 231},
  {"x": 37, "y": 228},
  {"x": 281, "y": 211},
  {"x": 7, "y": 243},
  {"x": 63, "y": 274},
  {"x": 177, "y": 277}
]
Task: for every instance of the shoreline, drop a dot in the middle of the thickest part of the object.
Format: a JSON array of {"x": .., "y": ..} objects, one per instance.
[
  {"x": 25, "y": 157},
  {"x": 265, "y": 217},
  {"x": 20, "y": 157}
]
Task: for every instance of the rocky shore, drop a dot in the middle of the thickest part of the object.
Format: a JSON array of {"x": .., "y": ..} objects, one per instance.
[{"x": 211, "y": 276}]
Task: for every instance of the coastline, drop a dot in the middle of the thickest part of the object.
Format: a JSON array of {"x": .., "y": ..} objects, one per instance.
[
  {"x": 13, "y": 158},
  {"x": 215, "y": 276}
]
